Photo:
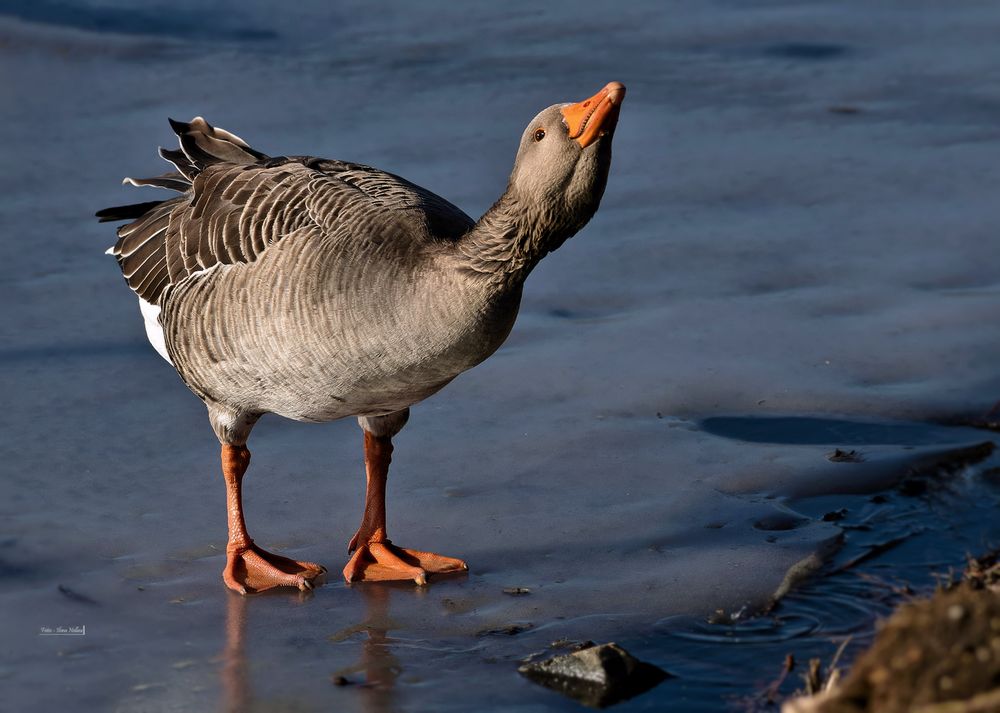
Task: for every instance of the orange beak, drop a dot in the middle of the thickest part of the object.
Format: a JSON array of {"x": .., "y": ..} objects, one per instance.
[{"x": 590, "y": 119}]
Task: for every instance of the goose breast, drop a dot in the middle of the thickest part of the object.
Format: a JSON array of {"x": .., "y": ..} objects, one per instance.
[{"x": 328, "y": 324}]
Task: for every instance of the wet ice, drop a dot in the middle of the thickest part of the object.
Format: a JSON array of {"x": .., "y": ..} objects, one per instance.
[{"x": 756, "y": 256}]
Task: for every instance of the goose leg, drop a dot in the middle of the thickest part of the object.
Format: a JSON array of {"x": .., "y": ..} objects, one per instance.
[
  {"x": 375, "y": 557},
  {"x": 248, "y": 567}
]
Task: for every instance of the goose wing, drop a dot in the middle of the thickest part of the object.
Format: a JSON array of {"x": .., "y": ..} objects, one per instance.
[{"x": 236, "y": 202}]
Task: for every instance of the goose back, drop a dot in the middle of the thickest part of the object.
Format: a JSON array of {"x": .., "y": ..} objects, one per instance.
[{"x": 237, "y": 202}]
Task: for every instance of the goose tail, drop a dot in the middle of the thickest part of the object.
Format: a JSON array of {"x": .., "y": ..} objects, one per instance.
[{"x": 201, "y": 145}]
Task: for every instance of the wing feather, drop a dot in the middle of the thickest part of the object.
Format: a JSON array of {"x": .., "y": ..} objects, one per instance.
[{"x": 237, "y": 202}]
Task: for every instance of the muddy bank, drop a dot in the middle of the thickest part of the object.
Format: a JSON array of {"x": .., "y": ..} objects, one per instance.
[{"x": 933, "y": 655}]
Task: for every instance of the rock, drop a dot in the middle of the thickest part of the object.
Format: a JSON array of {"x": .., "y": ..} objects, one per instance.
[
  {"x": 842, "y": 456},
  {"x": 516, "y": 591},
  {"x": 597, "y": 676}
]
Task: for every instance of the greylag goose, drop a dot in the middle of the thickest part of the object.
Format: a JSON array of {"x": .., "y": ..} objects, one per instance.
[{"x": 317, "y": 289}]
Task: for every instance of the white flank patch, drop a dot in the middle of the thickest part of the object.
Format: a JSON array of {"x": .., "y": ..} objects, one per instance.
[{"x": 154, "y": 332}]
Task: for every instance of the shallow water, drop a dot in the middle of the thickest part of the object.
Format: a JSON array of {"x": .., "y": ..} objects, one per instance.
[
  {"x": 895, "y": 548},
  {"x": 796, "y": 254}
]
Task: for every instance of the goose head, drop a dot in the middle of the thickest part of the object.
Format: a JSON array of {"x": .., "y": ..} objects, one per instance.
[{"x": 562, "y": 164}]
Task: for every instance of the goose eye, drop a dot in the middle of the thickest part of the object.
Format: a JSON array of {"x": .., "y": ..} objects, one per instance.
[{"x": 539, "y": 134}]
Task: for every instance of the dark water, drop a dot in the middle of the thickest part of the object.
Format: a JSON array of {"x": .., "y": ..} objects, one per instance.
[
  {"x": 829, "y": 431},
  {"x": 893, "y": 549}
]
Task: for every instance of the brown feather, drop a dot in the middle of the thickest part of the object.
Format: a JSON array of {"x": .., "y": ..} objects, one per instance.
[{"x": 237, "y": 202}]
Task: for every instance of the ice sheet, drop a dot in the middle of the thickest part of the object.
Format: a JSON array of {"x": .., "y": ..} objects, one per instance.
[{"x": 800, "y": 223}]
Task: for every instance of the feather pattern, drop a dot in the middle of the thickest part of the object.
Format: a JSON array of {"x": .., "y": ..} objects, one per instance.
[{"x": 237, "y": 202}]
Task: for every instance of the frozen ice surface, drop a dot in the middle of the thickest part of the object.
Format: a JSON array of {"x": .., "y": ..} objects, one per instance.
[{"x": 801, "y": 224}]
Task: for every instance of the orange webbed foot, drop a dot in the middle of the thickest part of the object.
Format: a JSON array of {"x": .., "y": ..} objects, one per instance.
[
  {"x": 250, "y": 569},
  {"x": 383, "y": 561}
]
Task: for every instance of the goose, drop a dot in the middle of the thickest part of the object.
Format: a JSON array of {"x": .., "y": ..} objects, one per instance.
[{"x": 318, "y": 289}]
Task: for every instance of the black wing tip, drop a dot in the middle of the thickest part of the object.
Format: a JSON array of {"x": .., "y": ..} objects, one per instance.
[
  {"x": 125, "y": 212},
  {"x": 106, "y": 215}
]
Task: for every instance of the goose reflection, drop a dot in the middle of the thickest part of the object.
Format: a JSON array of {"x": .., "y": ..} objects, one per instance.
[
  {"x": 375, "y": 673},
  {"x": 236, "y": 693},
  {"x": 378, "y": 667}
]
